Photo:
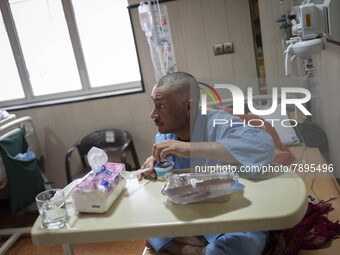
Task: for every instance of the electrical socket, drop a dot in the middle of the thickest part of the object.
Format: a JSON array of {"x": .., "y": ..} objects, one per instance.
[
  {"x": 228, "y": 47},
  {"x": 223, "y": 48},
  {"x": 218, "y": 49}
]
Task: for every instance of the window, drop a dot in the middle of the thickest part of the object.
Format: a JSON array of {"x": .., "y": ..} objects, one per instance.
[
  {"x": 10, "y": 85},
  {"x": 101, "y": 30},
  {"x": 64, "y": 50},
  {"x": 45, "y": 43}
]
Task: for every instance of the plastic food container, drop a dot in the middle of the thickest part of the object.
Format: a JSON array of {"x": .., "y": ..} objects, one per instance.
[
  {"x": 200, "y": 188},
  {"x": 164, "y": 170}
]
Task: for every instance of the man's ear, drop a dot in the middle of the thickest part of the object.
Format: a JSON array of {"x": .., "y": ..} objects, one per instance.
[{"x": 190, "y": 105}]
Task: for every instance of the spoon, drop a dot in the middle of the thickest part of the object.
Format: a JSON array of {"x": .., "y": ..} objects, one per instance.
[
  {"x": 193, "y": 182},
  {"x": 132, "y": 174}
]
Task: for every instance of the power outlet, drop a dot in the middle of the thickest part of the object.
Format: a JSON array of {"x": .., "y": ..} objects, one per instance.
[
  {"x": 228, "y": 48},
  {"x": 223, "y": 48},
  {"x": 218, "y": 49}
]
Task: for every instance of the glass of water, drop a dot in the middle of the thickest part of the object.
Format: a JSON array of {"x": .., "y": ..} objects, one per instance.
[{"x": 52, "y": 208}]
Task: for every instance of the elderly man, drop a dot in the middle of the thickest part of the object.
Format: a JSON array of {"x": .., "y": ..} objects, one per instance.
[{"x": 190, "y": 139}]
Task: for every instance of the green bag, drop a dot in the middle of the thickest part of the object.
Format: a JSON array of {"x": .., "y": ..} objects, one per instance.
[{"x": 24, "y": 177}]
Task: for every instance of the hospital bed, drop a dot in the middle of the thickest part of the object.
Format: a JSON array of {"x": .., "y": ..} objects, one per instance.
[
  {"x": 7, "y": 129},
  {"x": 31, "y": 138},
  {"x": 3, "y": 180}
]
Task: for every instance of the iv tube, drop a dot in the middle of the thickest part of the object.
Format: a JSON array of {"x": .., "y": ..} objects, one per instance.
[
  {"x": 283, "y": 35},
  {"x": 284, "y": 24},
  {"x": 282, "y": 8}
]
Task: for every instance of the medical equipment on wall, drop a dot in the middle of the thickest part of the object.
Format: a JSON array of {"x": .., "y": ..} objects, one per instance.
[
  {"x": 308, "y": 63},
  {"x": 316, "y": 17},
  {"x": 154, "y": 22},
  {"x": 284, "y": 25},
  {"x": 310, "y": 20}
]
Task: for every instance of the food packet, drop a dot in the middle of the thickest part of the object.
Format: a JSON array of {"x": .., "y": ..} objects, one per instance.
[{"x": 197, "y": 187}]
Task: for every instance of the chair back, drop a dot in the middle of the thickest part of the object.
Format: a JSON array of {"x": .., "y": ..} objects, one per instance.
[{"x": 107, "y": 140}]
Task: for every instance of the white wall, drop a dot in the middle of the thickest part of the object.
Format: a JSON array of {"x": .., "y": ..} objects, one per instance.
[{"x": 325, "y": 110}]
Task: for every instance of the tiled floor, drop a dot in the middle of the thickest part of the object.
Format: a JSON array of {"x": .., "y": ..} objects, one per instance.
[{"x": 24, "y": 245}]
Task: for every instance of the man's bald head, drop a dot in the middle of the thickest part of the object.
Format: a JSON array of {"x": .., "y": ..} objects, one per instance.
[{"x": 182, "y": 85}]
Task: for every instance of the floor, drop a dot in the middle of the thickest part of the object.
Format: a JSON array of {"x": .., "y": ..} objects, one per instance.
[{"x": 24, "y": 245}]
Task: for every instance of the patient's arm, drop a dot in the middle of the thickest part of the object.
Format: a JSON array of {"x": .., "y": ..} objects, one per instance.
[{"x": 210, "y": 150}]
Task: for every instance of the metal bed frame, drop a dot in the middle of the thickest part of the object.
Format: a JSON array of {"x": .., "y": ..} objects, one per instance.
[{"x": 33, "y": 142}]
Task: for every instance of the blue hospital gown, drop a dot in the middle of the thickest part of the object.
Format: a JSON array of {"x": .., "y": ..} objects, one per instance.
[{"x": 251, "y": 147}]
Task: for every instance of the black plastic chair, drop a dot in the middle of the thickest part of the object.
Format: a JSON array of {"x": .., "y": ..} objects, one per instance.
[{"x": 107, "y": 140}]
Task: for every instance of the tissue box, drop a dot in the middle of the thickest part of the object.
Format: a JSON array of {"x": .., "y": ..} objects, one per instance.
[{"x": 96, "y": 194}]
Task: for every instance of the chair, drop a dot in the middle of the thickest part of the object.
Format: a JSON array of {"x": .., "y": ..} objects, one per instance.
[{"x": 107, "y": 140}]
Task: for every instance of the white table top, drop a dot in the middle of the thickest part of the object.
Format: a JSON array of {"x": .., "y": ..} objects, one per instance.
[{"x": 142, "y": 212}]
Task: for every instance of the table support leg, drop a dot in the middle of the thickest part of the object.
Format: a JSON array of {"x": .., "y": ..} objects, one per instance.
[
  {"x": 68, "y": 249},
  {"x": 15, "y": 234}
]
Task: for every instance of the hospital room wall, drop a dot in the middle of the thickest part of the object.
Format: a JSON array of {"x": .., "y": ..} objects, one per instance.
[
  {"x": 325, "y": 110},
  {"x": 196, "y": 26}
]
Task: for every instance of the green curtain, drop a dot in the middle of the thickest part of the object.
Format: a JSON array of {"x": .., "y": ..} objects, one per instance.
[{"x": 24, "y": 177}]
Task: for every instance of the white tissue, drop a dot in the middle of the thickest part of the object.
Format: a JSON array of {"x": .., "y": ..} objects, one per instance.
[{"x": 96, "y": 158}]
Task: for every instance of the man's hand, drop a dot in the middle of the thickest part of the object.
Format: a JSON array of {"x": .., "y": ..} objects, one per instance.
[
  {"x": 149, "y": 163},
  {"x": 160, "y": 151}
]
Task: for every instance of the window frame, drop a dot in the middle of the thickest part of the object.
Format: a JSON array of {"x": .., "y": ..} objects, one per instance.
[{"x": 87, "y": 92}]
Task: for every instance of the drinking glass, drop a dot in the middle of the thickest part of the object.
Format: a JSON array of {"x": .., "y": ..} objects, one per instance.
[{"x": 52, "y": 208}]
